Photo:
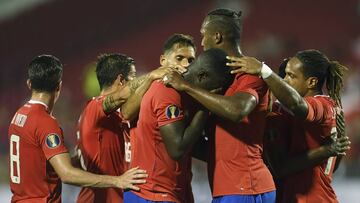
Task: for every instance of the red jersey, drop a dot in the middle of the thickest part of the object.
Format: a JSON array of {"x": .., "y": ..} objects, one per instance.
[
  {"x": 236, "y": 165},
  {"x": 101, "y": 149},
  {"x": 312, "y": 184},
  {"x": 168, "y": 180},
  {"x": 35, "y": 137}
]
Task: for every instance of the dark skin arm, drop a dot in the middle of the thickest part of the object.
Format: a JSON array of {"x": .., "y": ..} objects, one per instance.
[
  {"x": 200, "y": 149},
  {"x": 287, "y": 95},
  {"x": 179, "y": 138},
  {"x": 233, "y": 108},
  {"x": 75, "y": 176},
  {"x": 283, "y": 168}
]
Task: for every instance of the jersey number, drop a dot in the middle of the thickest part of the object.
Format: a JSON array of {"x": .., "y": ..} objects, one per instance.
[{"x": 14, "y": 159}]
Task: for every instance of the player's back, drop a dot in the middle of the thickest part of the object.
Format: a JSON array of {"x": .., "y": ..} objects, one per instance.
[
  {"x": 32, "y": 178},
  {"x": 101, "y": 149},
  {"x": 168, "y": 180}
]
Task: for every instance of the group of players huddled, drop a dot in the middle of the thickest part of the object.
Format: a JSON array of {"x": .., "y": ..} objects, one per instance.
[{"x": 266, "y": 138}]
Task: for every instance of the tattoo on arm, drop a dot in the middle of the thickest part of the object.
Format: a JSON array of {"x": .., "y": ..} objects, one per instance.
[
  {"x": 109, "y": 104},
  {"x": 134, "y": 84}
]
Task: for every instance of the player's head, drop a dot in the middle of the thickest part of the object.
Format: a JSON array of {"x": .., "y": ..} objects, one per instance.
[
  {"x": 308, "y": 70},
  {"x": 44, "y": 74},
  {"x": 178, "y": 50},
  {"x": 114, "y": 68},
  {"x": 209, "y": 70},
  {"x": 282, "y": 67},
  {"x": 221, "y": 27}
]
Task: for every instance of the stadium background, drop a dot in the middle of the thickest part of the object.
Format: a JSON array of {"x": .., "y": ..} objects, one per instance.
[{"x": 78, "y": 31}]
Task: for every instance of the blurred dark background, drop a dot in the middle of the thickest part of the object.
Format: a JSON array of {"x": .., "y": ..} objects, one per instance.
[{"x": 78, "y": 31}]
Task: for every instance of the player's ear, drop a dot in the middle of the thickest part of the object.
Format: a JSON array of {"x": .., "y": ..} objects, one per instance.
[
  {"x": 28, "y": 83},
  {"x": 312, "y": 82},
  {"x": 162, "y": 60},
  {"x": 120, "y": 80},
  {"x": 218, "y": 38}
]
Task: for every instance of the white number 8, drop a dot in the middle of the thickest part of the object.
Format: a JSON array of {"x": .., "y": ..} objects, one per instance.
[{"x": 15, "y": 159}]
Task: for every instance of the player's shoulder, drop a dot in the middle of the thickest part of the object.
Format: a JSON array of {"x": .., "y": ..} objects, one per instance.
[
  {"x": 324, "y": 100},
  {"x": 159, "y": 89}
]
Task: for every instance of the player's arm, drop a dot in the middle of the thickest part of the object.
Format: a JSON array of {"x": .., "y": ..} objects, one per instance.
[
  {"x": 115, "y": 99},
  {"x": 311, "y": 158},
  {"x": 179, "y": 138},
  {"x": 200, "y": 149},
  {"x": 233, "y": 108},
  {"x": 137, "y": 88},
  {"x": 287, "y": 95},
  {"x": 70, "y": 175}
]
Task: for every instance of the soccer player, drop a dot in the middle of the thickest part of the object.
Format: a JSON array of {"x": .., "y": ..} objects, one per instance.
[
  {"x": 160, "y": 106},
  {"x": 166, "y": 133},
  {"x": 313, "y": 115},
  {"x": 39, "y": 160},
  {"x": 103, "y": 130},
  {"x": 237, "y": 172}
]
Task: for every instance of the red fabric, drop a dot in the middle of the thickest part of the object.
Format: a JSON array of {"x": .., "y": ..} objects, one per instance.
[
  {"x": 39, "y": 138},
  {"x": 313, "y": 184},
  {"x": 168, "y": 180},
  {"x": 101, "y": 142},
  {"x": 236, "y": 165}
]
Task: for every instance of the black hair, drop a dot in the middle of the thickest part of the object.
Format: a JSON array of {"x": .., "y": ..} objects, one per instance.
[
  {"x": 109, "y": 66},
  {"x": 282, "y": 67},
  {"x": 316, "y": 64},
  {"x": 180, "y": 39},
  {"x": 227, "y": 21},
  {"x": 45, "y": 72},
  {"x": 210, "y": 71}
]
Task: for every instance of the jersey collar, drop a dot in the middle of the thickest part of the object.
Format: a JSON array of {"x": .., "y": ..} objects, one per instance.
[{"x": 38, "y": 102}]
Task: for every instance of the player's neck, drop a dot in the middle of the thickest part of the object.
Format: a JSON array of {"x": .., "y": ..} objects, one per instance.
[
  {"x": 107, "y": 90},
  {"x": 47, "y": 98},
  {"x": 233, "y": 50},
  {"x": 313, "y": 93}
]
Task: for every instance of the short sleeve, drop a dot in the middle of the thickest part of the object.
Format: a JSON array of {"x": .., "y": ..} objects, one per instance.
[
  {"x": 52, "y": 139},
  {"x": 316, "y": 110},
  {"x": 249, "y": 84},
  {"x": 167, "y": 106}
]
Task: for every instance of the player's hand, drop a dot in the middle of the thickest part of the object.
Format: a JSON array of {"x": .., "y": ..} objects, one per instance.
[
  {"x": 244, "y": 64},
  {"x": 338, "y": 146},
  {"x": 160, "y": 72},
  {"x": 175, "y": 80},
  {"x": 131, "y": 178}
]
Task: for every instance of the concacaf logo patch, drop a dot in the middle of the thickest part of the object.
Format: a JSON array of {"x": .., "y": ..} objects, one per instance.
[
  {"x": 53, "y": 140},
  {"x": 172, "y": 111}
]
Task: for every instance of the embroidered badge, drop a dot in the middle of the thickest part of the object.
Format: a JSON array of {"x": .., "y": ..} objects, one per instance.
[
  {"x": 52, "y": 140},
  {"x": 172, "y": 111}
]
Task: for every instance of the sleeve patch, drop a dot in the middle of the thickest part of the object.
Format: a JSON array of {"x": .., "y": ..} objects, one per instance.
[
  {"x": 172, "y": 111},
  {"x": 52, "y": 140}
]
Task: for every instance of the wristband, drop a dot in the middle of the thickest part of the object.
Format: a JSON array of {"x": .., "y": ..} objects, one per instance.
[{"x": 265, "y": 71}]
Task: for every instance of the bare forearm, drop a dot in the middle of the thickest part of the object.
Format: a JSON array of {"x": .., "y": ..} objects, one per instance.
[
  {"x": 307, "y": 160},
  {"x": 130, "y": 109},
  {"x": 179, "y": 139},
  {"x": 234, "y": 109},
  {"x": 75, "y": 176},
  {"x": 287, "y": 95},
  {"x": 194, "y": 130},
  {"x": 113, "y": 101}
]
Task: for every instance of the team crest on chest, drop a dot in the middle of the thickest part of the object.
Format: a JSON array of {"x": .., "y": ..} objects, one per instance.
[
  {"x": 172, "y": 111},
  {"x": 52, "y": 140}
]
